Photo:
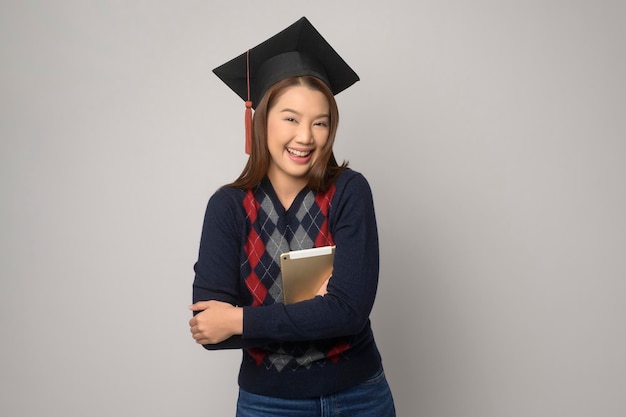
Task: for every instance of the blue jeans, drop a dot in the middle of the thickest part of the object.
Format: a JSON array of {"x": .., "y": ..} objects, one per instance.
[{"x": 371, "y": 398}]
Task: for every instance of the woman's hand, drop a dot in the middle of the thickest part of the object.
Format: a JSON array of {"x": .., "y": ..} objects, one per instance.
[
  {"x": 216, "y": 322},
  {"x": 322, "y": 291}
]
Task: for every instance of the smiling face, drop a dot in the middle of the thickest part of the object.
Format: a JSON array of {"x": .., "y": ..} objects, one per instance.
[{"x": 297, "y": 130}]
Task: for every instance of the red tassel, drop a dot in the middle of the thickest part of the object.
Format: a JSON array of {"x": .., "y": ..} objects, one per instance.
[{"x": 248, "y": 124}]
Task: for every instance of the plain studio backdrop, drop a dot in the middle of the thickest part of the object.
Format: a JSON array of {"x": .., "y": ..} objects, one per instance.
[{"x": 493, "y": 135}]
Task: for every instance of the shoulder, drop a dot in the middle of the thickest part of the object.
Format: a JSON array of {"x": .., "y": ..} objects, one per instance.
[
  {"x": 352, "y": 182},
  {"x": 228, "y": 194},
  {"x": 226, "y": 200},
  {"x": 352, "y": 204},
  {"x": 352, "y": 193}
]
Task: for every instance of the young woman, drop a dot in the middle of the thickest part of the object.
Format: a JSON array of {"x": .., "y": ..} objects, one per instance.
[{"x": 315, "y": 357}]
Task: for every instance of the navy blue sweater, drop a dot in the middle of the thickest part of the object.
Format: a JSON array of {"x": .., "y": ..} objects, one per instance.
[{"x": 314, "y": 347}]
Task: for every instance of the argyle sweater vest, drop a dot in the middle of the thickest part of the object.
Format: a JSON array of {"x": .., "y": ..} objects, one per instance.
[
  {"x": 270, "y": 236},
  {"x": 296, "y": 367}
]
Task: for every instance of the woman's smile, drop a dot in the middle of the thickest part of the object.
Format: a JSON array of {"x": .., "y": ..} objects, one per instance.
[{"x": 299, "y": 154}]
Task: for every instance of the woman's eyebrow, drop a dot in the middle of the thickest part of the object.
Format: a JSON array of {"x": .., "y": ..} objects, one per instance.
[{"x": 297, "y": 113}]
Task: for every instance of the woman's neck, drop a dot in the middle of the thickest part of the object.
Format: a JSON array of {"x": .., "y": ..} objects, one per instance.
[{"x": 286, "y": 189}]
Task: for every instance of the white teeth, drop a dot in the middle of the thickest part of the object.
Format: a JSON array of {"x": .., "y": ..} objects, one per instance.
[{"x": 298, "y": 153}]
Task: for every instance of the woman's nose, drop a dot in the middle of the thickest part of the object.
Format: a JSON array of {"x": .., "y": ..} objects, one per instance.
[{"x": 305, "y": 134}]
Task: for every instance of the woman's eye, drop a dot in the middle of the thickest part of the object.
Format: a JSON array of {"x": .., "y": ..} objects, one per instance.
[
  {"x": 321, "y": 124},
  {"x": 290, "y": 119}
]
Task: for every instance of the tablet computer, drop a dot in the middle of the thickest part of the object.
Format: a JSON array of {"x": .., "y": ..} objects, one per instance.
[{"x": 304, "y": 271}]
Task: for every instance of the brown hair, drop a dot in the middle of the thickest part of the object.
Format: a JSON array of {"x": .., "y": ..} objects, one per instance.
[{"x": 325, "y": 169}]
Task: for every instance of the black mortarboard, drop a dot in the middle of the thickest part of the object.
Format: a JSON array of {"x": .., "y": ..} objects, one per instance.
[{"x": 296, "y": 51}]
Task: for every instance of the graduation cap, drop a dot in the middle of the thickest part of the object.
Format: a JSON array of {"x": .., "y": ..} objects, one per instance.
[{"x": 298, "y": 50}]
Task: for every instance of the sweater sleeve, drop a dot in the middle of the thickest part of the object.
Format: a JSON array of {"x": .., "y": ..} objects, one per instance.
[
  {"x": 345, "y": 309},
  {"x": 217, "y": 268}
]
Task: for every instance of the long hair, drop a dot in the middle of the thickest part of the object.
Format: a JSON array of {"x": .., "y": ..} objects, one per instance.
[{"x": 324, "y": 170}]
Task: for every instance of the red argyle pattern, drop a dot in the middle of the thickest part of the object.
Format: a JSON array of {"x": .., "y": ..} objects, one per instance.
[{"x": 269, "y": 235}]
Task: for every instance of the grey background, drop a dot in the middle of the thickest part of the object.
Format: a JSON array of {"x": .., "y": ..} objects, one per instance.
[{"x": 493, "y": 135}]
